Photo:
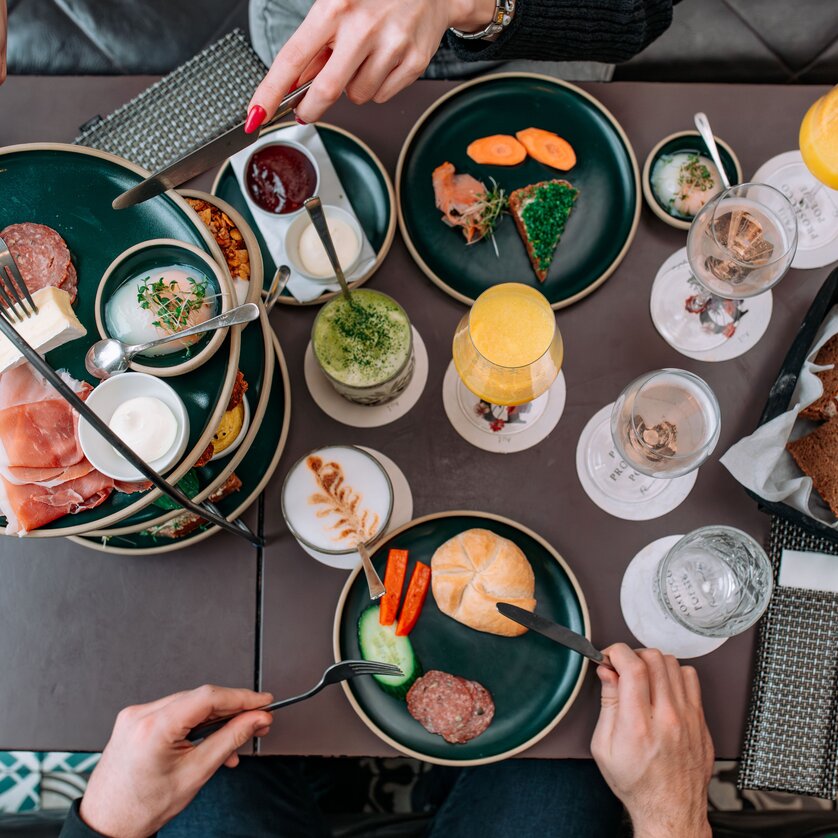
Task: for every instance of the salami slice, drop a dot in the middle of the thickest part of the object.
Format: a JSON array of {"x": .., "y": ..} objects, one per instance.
[
  {"x": 482, "y": 714},
  {"x": 70, "y": 283},
  {"x": 441, "y": 703},
  {"x": 41, "y": 255}
]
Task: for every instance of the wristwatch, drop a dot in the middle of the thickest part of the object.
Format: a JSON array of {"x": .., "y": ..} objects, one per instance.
[{"x": 504, "y": 11}]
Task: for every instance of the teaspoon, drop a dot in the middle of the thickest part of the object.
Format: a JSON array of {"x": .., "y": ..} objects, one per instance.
[{"x": 703, "y": 125}]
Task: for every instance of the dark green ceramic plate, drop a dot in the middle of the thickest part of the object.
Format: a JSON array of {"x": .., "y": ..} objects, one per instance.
[
  {"x": 257, "y": 352},
  {"x": 533, "y": 681},
  {"x": 367, "y": 185},
  {"x": 604, "y": 219},
  {"x": 70, "y": 188},
  {"x": 255, "y": 470}
]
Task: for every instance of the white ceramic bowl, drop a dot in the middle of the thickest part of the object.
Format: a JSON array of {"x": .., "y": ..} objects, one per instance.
[
  {"x": 303, "y": 150},
  {"x": 105, "y": 399},
  {"x": 300, "y": 224},
  {"x": 241, "y": 435}
]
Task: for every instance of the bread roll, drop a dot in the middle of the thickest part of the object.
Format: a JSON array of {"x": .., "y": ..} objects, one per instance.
[{"x": 474, "y": 571}]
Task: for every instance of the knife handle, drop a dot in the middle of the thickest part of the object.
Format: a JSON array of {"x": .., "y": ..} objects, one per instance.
[{"x": 289, "y": 102}]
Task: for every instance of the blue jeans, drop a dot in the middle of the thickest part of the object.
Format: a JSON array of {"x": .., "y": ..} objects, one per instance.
[{"x": 277, "y": 797}]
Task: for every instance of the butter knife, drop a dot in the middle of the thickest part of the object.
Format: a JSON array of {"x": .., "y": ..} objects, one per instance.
[
  {"x": 557, "y": 633},
  {"x": 204, "y": 157}
]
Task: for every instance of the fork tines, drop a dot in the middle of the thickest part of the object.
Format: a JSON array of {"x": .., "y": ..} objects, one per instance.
[
  {"x": 374, "y": 668},
  {"x": 13, "y": 291}
]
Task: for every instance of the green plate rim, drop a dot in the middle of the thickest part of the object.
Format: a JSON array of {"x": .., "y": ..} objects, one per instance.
[
  {"x": 285, "y": 298},
  {"x": 439, "y": 281},
  {"x": 151, "y": 495},
  {"x": 462, "y": 763},
  {"x": 181, "y": 544}
]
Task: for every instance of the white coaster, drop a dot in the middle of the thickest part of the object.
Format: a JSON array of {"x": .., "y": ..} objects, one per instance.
[
  {"x": 614, "y": 486},
  {"x": 360, "y": 415},
  {"x": 815, "y": 204},
  {"x": 501, "y": 430},
  {"x": 644, "y": 615},
  {"x": 716, "y": 330},
  {"x": 402, "y": 512}
]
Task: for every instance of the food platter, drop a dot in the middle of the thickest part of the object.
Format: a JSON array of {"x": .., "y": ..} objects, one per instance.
[
  {"x": 256, "y": 362},
  {"x": 255, "y": 470},
  {"x": 70, "y": 188},
  {"x": 365, "y": 181},
  {"x": 602, "y": 223},
  {"x": 532, "y": 680}
]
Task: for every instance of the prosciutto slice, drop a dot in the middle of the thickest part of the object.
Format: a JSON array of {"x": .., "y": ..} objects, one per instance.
[{"x": 44, "y": 474}]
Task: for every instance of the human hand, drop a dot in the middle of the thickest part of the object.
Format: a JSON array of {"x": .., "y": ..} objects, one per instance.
[
  {"x": 149, "y": 771},
  {"x": 371, "y": 49},
  {"x": 651, "y": 742}
]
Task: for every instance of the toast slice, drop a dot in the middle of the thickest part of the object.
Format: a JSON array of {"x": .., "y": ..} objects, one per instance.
[
  {"x": 540, "y": 211},
  {"x": 816, "y": 454},
  {"x": 827, "y": 405}
]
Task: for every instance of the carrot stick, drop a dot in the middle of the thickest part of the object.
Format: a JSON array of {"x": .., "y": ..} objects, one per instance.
[
  {"x": 393, "y": 583},
  {"x": 414, "y": 599}
]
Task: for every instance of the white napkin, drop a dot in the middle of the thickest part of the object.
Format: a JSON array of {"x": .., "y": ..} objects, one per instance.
[
  {"x": 760, "y": 461},
  {"x": 331, "y": 192},
  {"x": 813, "y": 571}
]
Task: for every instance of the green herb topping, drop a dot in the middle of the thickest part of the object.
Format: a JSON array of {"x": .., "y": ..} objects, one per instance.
[
  {"x": 169, "y": 304},
  {"x": 694, "y": 175},
  {"x": 545, "y": 216}
]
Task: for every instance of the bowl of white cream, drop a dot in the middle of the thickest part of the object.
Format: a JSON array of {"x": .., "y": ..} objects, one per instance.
[
  {"x": 306, "y": 253},
  {"x": 146, "y": 414}
]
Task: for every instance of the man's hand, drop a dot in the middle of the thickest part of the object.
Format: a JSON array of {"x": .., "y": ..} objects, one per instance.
[
  {"x": 149, "y": 772},
  {"x": 652, "y": 744},
  {"x": 4, "y": 26},
  {"x": 372, "y": 49}
]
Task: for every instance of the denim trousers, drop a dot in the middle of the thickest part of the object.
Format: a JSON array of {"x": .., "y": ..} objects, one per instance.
[{"x": 278, "y": 797}]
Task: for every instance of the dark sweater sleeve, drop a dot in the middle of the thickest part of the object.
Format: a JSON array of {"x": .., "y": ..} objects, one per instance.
[
  {"x": 75, "y": 827},
  {"x": 610, "y": 31}
]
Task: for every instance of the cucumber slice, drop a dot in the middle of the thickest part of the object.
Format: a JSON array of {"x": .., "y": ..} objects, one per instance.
[
  {"x": 380, "y": 643},
  {"x": 188, "y": 484}
]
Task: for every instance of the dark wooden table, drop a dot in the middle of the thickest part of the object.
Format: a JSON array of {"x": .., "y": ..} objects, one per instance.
[{"x": 84, "y": 633}]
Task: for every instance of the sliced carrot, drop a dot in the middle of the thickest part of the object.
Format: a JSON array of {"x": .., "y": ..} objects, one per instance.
[
  {"x": 414, "y": 599},
  {"x": 393, "y": 583},
  {"x": 497, "y": 150},
  {"x": 548, "y": 148}
]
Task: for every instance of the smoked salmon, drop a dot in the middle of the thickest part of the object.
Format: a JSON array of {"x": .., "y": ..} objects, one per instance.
[{"x": 457, "y": 196}]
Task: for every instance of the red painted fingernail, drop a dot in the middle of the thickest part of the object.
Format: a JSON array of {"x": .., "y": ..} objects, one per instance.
[
  {"x": 255, "y": 117},
  {"x": 299, "y": 121}
]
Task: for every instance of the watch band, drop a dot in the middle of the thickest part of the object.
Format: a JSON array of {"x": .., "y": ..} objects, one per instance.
[{"x": 504, "y": 11}]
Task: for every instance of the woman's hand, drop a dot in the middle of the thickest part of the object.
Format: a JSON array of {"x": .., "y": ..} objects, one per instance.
[
  {"x": 149, "y": 771},
  {"x": 652, "y": 745},
  {"x": 371, "y": 49}
]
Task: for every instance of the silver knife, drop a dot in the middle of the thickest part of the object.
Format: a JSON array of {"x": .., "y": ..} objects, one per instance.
[
  {"x": 557, "y": 633},
  {"x": 194, "y": 162}
]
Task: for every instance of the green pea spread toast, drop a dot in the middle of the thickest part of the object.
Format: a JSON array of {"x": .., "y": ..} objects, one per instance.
[{"x": 541, "y": 211}]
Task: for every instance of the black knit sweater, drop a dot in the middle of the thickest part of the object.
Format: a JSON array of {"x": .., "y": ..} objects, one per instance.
[{"x": 610, "y": 31}]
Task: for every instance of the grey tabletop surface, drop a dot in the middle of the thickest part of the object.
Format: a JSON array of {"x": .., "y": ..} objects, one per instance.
[{"x": 87, "y": 633}]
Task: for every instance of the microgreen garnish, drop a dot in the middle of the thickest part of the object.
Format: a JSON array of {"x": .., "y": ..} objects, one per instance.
[{"x": 169, "y": 304}]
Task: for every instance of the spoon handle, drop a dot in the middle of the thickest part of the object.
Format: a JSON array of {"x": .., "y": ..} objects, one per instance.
[
  {"x": 374, "y": 583},
  {"x": 314, "y": 208},
  {"x": 703, "y": 126},
  {"x": 240, "y": 314}
]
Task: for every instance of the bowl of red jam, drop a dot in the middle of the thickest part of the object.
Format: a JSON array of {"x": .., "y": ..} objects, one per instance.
[{"x": 280, "y": 176}]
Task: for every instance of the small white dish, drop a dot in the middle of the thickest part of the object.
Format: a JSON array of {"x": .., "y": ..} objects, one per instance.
[
  {"x": 241, "y": 435},
  {"x": 105, "y": 399},
  {"x": 301, "y": 223},
  {"x": 302, "y": 150}
]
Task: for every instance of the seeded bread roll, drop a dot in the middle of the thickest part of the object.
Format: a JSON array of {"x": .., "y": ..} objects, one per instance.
[
  {"x": 815, "y": 455},
  {"x": 474, "y": 571}
]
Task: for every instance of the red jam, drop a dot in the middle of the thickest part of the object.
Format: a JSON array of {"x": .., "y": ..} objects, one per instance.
[{"x": 280, "y": 177}]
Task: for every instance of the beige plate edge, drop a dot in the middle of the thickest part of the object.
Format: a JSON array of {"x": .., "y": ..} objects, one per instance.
[{"x": 512, "y": 751}]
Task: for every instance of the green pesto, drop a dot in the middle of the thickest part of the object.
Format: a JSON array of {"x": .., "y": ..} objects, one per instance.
[{"x": 545, "y": 217}]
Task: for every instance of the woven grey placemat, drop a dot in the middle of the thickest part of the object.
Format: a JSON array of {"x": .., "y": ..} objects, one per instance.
[
  {"x": 791, "y": 735},
  {"x": 194, "y": 103}
]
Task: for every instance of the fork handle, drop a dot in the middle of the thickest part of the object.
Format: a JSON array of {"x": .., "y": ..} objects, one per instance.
[{"x": 204, "y": 730}]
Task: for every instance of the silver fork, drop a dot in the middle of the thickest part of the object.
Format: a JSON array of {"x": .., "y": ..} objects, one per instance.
[
  {"x": 11, "y": 288},
  {"x": 337, "y": 672}
]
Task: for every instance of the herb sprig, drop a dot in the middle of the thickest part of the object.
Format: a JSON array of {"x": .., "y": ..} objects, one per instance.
[
  {"x": 485, "y": 213},
  {"x": 169, "y": 304}
]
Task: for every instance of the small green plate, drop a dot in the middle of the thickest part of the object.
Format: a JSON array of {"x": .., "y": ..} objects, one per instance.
[
  {"x": 533, "y": 681},
  {"x": 70, "y": 188},
  {"x": 254, "y": 471},
  {"x": 603, "y": 221},
  {"x": 367, "y": 186}
]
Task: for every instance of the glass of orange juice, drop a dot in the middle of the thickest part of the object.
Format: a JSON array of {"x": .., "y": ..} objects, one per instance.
[
  {"x": 819, "y": 139},
  {"x": 507, "y": 351}
]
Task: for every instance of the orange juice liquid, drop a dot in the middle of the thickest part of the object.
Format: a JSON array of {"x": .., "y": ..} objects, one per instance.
[{"x": 819, "y": 139}]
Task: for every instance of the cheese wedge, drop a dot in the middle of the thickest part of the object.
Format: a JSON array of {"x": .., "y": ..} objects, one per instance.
[{"x": 54, "y": 325}]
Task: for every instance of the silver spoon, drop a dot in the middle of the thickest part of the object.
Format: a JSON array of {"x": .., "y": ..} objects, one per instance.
[
  {"x": 703, "y": 125},
  {"x": 278, "y": 283},
  {"x": 374, "y": 583},
  {"x": 314, "y": 208},
  {"x": 111, "y": 356}
]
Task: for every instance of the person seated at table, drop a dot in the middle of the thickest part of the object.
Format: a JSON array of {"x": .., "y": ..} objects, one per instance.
[
  {"x": 372, "y": 49},
  {"x": 651, "y": 744}
]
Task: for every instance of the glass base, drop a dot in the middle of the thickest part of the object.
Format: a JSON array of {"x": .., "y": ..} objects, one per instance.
[{"x": 499, "y": 419}]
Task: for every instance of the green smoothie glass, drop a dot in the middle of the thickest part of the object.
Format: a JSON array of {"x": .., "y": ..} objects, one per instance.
[{"x": 364, "y": 346}]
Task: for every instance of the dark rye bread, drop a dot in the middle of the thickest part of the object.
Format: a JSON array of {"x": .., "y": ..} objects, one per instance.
[
  {"x": 817, "y": 456},
  {"x": 827, "y": 405},
  {"x": 556, "y": 198}
]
